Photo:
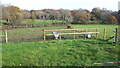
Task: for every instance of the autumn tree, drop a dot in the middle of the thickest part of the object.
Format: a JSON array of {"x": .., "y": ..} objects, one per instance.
[
  {"x": 5, "y": 13},
  {"x": 42, "y": 15},
  {"x": 113, "y": 20},
  {"x": 14, "y": 14},
  {"x": 26, "y": 14},
  {"x": 96, "y": 13},
  {"x": 66, "y": 15},
  {"x": 53, "y": 14},
  {"x": 81, "y": 16},
  {"x": 116, "y": 15},
  {"x": 33, "y": 14},
  {"x": 107, "y": 17},
  {"x": 118, "y": 19}
]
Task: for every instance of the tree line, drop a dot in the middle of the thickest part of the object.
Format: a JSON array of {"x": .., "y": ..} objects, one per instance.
[{"x": 16, "y": 15}]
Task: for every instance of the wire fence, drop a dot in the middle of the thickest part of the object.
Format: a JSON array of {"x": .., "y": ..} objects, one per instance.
[{"x": 26, "y": 35}]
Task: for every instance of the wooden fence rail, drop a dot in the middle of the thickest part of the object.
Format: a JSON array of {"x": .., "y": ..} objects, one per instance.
[
  {"x": 72, "y": 33},
  {"x": 73, "y": 29}
]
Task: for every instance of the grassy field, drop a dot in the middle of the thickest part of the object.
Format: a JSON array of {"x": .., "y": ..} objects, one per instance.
[
  {"x": 77, "y": 52},
  {"x": 39, "y": 22},
  {"x": 42, "y": 22},
  {"x": 59, "y": 53}
]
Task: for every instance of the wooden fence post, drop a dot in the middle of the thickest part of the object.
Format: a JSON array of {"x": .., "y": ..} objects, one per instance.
[
  {"x": 96, "y": 33},
  {"x": 44, "y": 35},
  {"x": 60, "y": 34},
  {"x": 85, "y": 34},
  {"x": 104, "y": 36},
  {"x": 74, "y": 34},
  {"x": 6, "y": 36},
  {"x": 115, "y": 35}
]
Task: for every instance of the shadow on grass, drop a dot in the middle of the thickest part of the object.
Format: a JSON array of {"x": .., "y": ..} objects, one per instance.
[{"x": 100, "y": 41}]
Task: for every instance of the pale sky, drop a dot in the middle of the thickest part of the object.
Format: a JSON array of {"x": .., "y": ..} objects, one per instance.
[{"x": 65, "y": 4}]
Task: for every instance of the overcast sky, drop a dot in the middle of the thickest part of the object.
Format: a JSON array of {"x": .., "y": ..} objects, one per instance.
[{"x": 65, "y": 4}]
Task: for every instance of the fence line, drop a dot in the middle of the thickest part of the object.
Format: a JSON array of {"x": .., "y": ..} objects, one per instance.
[
  {"x": 74, "y": 33},
  {"x": 29, "y": 25},
  {"x": 26, "y": 30}
]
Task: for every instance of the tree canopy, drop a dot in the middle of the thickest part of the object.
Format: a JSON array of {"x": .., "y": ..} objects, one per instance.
[{"x": 16, "y": 15}]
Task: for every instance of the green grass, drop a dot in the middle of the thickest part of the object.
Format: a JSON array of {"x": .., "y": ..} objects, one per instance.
[
  {"x": 42, "y": 22},
  {"x": 59, "y": 53},
  {"x": 77, "y": 52},
  {"x": 39, "y": 22}
]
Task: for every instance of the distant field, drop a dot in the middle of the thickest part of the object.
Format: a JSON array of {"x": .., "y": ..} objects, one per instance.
[
  {"x": 59, "y": 53},
  {"x": 42, "y": 22},
  {"x": 39, "y": 22}
]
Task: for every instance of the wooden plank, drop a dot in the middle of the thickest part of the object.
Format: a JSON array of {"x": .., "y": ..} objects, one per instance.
[
  {"x": 71, "y": 29},
  {"x": 73, "y": 33},
  {"x": 26, "y": 30}
]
